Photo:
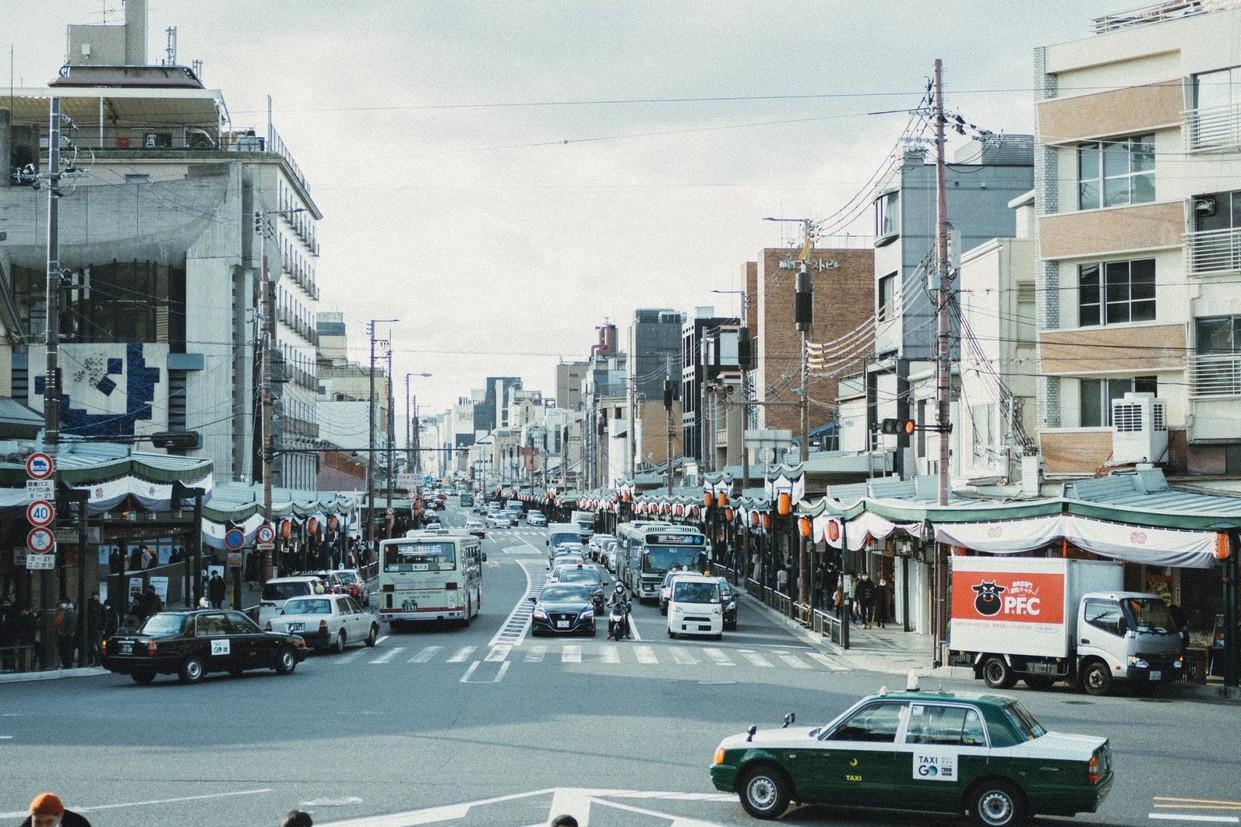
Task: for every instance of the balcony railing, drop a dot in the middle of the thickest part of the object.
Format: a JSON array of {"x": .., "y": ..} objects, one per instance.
[
  {"x": 1217, "y": 128},
  {"x": 1157, "y": 13},
  {"x": 1215, "y": 374},
  {"x": 1213, "y": 251}
]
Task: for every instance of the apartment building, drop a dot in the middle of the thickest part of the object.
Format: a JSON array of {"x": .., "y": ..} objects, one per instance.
[{"x": 1138, "y": 184}]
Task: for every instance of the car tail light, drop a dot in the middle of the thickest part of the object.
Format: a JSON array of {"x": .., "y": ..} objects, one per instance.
[
  {"x": 1092, "y": 770},
  {"x": 103, "y": 648},
  {"x": 151, "y": 647},
  {"x": 323, "y": 627}
]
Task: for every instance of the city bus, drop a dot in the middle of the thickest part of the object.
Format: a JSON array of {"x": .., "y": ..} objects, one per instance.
[
  {"x": 430, "y": 575},
  {"x": 652, "y": 549},
  {"x": 629, "y": 538}
]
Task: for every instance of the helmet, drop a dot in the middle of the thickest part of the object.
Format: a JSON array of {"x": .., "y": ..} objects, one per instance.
[{"x": 619, "y": 588}]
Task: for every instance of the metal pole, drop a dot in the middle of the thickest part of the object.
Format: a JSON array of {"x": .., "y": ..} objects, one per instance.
[
  {"x": 267, "y": 339},
  {"x": 369, "y": 534},
  {"x": 942, "y": 350},
  {"x": 391, "y": 434},
  {"x": 1230, "y": 612},
  {"x": 409, "y": 438},
  {"x": 51, "y": 380}
]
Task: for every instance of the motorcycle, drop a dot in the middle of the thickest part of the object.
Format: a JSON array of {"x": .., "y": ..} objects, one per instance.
[{"x": 618, "y": 620}]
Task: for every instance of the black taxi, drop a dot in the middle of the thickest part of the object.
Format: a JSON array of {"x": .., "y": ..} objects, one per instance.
[{"x": 191, "y": 643}]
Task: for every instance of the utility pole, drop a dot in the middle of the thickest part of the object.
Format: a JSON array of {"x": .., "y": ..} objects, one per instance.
[
  {"x": 391, "y": 434},
  {"x": 267, "y": 334},
  {"x": 943, "y": 376},
  {"x": 51, "y": 380},
  {"x": 803, "y": 312},
  {"x": 409, "y": 427},
  {"x": 668, "y": 397},
  {"x": 370, "y": 434}
]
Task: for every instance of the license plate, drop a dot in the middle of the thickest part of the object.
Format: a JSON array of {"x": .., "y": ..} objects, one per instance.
[
  {"x": 562, "y": 624},
  {"x": 127, "y": 648},
  {"x": 1156, "y": 675},
  {"x": 295, "y": 627}
]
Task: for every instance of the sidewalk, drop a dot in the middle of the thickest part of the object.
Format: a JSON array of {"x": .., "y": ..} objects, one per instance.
[
  {"x": 896, "y": 652},
  {"x": 52, "y": 674}
]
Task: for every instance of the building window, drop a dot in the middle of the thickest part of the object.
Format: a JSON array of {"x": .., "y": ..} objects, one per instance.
[
  {"x": 1217, "y": 211},
  {"x": 1095, "y": 403},
  {"x": 1116, "y": 292},
  {"x": 1217, "y": 89},
  {"x": 1116, "y": 173},
  {"x": 887, "y": 297},
  {"x": 887, "y": 215},
  {"x": 1219, "y": 334}
]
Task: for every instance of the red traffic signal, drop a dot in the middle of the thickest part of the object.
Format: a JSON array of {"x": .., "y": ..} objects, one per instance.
[{"x": 899, "y": 426}]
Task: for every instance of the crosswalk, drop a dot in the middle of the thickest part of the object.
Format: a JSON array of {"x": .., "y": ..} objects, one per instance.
[{"x": 608, "y": 654}]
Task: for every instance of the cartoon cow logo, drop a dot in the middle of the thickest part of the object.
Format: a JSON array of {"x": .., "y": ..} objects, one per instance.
[{"x": 988, "y": 600}]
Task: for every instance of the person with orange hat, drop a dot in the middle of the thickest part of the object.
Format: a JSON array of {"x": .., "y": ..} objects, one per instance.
[{"x": 47, "y": 811}]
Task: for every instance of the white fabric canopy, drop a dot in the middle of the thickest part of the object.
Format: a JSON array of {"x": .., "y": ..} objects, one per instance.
[
  {"x": 868, "y": 525},
  {"x": 1005, "y": 537}
]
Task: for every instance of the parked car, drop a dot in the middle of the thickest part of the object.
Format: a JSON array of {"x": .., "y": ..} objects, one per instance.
[
  {"x": 279, "y": 589},
  {"x": 476, "y": 528},
  {"x": 330, "y": 621},
  {"x": 192, "y": 643},
  {"x": 563, "y": 610},
  {"x": 949, "y": 752}
]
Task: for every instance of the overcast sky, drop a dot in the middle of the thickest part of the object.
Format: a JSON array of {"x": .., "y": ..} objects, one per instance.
[{"x": 503, "y": 176}]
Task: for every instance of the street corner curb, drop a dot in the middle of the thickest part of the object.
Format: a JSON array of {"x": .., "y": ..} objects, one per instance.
[
  {"x": 795, "y": 627},
  {"x": 52, "y": 674}
]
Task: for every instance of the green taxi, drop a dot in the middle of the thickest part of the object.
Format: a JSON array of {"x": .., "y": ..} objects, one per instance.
[{"x": 948, "y": 752}]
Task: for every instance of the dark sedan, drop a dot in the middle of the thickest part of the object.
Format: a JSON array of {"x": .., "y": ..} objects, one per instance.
[
  {"x": 729, "y": 598},
  {"x": 190, "y": 644},
  {"x": 563, "y": 610},
  {"x": 581, "y": 574}
]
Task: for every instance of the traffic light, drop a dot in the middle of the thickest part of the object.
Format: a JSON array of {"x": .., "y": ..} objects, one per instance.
[
  {"x": 899, "y": 426},
  {"x": 177, "y": 440}
]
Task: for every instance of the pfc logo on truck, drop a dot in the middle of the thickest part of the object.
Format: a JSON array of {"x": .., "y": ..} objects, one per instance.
[{"x": 1024, "y": 597}]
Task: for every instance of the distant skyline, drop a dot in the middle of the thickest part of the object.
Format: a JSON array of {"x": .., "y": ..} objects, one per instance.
[{"x": 503, "y": 177}]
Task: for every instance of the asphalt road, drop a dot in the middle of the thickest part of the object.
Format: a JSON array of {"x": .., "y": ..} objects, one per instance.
[{"x": 486, "y": 726}]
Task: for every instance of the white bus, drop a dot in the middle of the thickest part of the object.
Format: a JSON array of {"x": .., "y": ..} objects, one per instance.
[{"x": 430, "y": 575}]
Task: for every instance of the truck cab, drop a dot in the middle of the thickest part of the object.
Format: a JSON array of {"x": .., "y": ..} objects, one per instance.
[{"x": 1126, "y": 636}]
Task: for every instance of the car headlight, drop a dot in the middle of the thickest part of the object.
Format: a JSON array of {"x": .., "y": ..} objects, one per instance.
[
  {"x": 587, "y": 612},
  {"x": 732, "y": 604},
  {"x": 1140, "y": 663},
  {"x": 540, "y": 614}
]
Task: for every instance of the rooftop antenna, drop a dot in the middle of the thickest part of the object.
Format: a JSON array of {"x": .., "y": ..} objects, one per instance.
[{"x": 171, "y": 49}]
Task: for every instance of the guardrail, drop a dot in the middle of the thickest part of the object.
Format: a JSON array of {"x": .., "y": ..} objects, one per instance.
[{"x": 824, "y": 623}]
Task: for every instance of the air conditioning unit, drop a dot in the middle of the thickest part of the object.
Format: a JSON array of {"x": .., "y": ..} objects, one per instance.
[{"x": 1139, "y": 429}]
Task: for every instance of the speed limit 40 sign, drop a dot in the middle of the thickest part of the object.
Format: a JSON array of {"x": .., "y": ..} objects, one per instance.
[{"x": 40, "y": 513}]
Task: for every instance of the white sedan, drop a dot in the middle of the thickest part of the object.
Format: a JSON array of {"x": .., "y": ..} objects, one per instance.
[{"x": 327, "y": 621}]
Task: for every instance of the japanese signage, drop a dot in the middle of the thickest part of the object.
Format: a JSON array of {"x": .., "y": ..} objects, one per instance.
[
  {"x": 1020, "y": 597},
  {"x": 675, "y": 540},
  {"x": 934, "y": 765}
]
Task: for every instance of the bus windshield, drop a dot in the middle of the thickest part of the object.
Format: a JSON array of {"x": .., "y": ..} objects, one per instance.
[
  {"x": 412, "y": 557},
  {"x": 658, "y": 559}
]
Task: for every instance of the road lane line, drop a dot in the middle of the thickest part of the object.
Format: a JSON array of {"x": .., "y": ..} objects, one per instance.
[
  {"x": 633, "y": 629},
  {"x": 683, "y": 656},
  {"x": 1195, "y": 818},
  {"x": 609, "y": 654},
  {"x": 381, "y": 639},
  {"x": 756, "y": 659},
  {"x": 498, "y": 654},
  {"x": 792, "y": 662},
  {"x": 149, "y": 803},
  {"x": 462, "y": 654},
  {"x": 572, "y": 653},
  {"x": 536, "y": 653},
  {"x": 717, "y": 657},
  {"x": 828, "y": 662},
  {"x": 389, "y": 655},
  {"x": 468, "y": 672},
  {"x": 645, "y": 654},
  {"x": 425, "y": 655},
  {"x": 1180, "y": 799},
  {"x": 349, "y": 658},
  {"x": 515, "y": 627}
]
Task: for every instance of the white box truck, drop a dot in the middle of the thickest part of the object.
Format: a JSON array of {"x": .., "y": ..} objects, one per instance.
[{"x": 1052, "y": 619}]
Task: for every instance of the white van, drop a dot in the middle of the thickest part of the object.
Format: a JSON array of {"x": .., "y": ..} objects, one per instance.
[
  {"x": 278, "y": 591},
  {"x": 695, "y": 607}
]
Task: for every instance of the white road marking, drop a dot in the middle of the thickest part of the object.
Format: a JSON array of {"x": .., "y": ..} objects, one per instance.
[
  {"x": 6, "y": 737},
  {"x": 425, "y": 655},
  {"x": 462, "y": 654},
  {"x": 536, "y": 653},
  {"x": 468, "y": 672},
  {"x": 149, "y": 803},
  {"x": 633, "y": 629},
  {"x": 1206, "y": 819},
  {"x": 349, "y": 658},
  {"x": 826, "y": 661},
  {"x": 645, "y": 654},
  {"x": 683, "y": 656},
  {"x": 572, "y": 653},
  {"x": 717, "y": 657},
  {"x": 474, "y": 666},
  {"x": 609, "y": 654},
  {"x": 389, "y": 655},
  {"x": 793, "y": 662},
  {"x": 515, "y": 627},
  {"x": 498, "y": 654},
  {"x": 756, "y": 659},
  {"x": 380, "y": 640}
]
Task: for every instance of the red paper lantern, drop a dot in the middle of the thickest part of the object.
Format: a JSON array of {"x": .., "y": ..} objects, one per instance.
[
  {"x": 784, "y": 503},
  {"x": 803, "y": 526}
]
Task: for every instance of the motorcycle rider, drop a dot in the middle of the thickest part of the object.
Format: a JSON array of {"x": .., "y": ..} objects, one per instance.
[{"x": 619, "y": 612}]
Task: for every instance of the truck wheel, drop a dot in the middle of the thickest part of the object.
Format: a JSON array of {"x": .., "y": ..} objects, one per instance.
[
  {"x": 997, "y": 674},
  {"x": 764, "y": 791},
  {"x": 996, "y": 803},
  {"x": 1096, "y": 679},
  {"x": 1040, "y": 682}
]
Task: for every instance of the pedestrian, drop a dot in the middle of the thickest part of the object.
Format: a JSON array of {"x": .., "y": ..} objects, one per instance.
[
  {"x": 866, "y": 599},
  {"x": 95, "y": 622},
  {"x": 883, "y": 599},
  {"x": 297, "y": 818},
  {"x": 782, "y": 580},
  {"x": 148, "y": 560},
  {"x": 66, "y": 624},
  {"x": 46, "y": 810},
  {"x": 846, "y": 591},
  {"x": 215, "y": 590}
]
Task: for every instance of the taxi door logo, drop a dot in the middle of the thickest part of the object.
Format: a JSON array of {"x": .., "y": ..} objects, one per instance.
[
  {"x": 934, "y": 766},
  {"x": 1023, "y": 597}
]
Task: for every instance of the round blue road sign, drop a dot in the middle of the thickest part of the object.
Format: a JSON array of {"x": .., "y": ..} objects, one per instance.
[{"x": 234, "y": 539}]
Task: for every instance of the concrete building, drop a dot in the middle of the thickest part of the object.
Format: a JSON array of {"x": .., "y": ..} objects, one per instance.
[
  {"x": 492, "y": 412},
  {"x": 569, "y": 376},
  {"x": 654, "y": 355},
  {"x": 1138, "y": 172},
  {"x": 342, "y": 406},
  {"x": 161, "y": 241},
  {"x": 710, "y": 345}
]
